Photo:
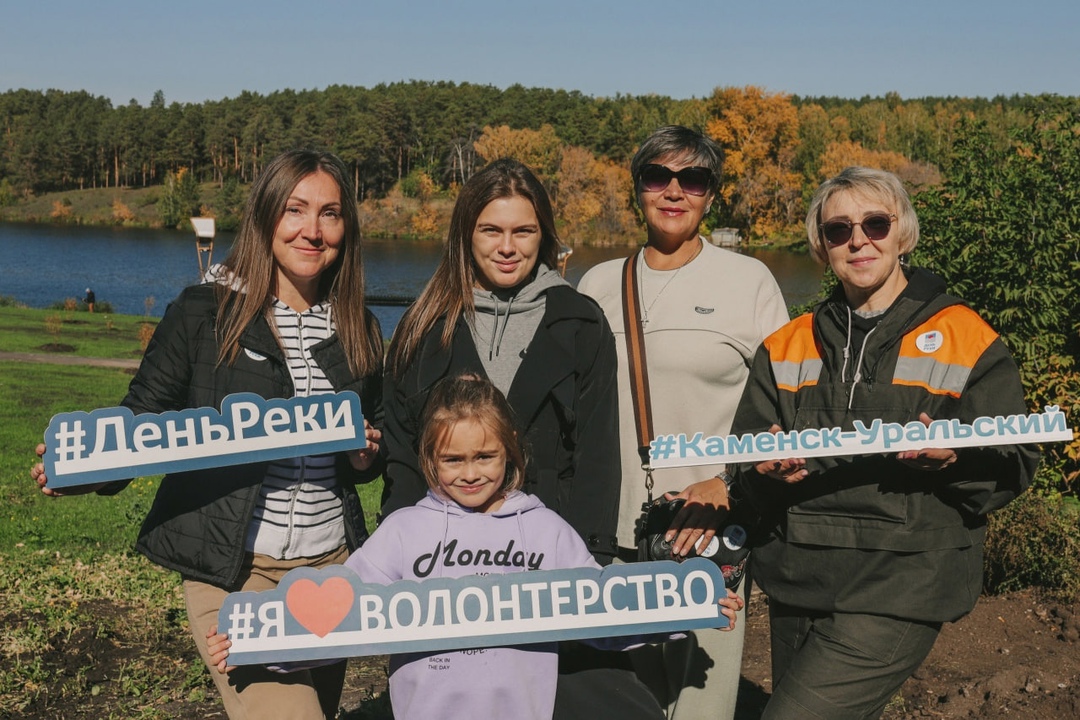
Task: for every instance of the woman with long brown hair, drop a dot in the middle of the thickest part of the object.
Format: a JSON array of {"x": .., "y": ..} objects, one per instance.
[
  {"x": 497, "y": 307},
  {"x": 283, "y": 316}
]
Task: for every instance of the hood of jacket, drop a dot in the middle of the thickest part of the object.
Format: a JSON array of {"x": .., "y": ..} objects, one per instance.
[
  {"x": 923, "y": 296},
  {"x": 505, "y": 321}
]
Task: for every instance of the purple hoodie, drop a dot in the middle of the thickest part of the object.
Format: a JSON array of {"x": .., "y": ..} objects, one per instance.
[{"x": 439, "y": 538}]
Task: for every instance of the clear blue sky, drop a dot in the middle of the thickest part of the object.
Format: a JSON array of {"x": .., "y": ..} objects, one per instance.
[{"x": 196, "y": 50}]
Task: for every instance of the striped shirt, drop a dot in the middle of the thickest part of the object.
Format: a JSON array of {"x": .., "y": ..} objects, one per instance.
[{"x": 299, "y": 509}]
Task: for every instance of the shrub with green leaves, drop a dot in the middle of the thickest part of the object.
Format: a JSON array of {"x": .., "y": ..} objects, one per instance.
[
  {"x": 1033, "y": 542},
  {"x": 1004, "y": 232}
]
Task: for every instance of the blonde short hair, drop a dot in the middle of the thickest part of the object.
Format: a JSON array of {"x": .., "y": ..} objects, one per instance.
[{"x": 876, "y": 184}]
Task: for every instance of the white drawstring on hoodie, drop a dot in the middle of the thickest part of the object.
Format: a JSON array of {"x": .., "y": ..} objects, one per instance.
[{"x": 858, "y": 364}]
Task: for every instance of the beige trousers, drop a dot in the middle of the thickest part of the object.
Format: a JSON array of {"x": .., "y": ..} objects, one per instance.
[
  {"x": 252, "y": 692},
  {"x": 695, "y": 678}
]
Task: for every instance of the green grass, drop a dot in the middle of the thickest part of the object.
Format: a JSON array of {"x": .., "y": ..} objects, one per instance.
[
  {"x": 94, "y": 206},
  {"x": 68, "y": 579},
  {"x": 91, "y": 334},
  {"x": 30, "y": 394},
  {"x": 75, "y": 603}
]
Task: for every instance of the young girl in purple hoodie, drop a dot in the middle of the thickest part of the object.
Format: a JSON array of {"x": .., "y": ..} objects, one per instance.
[{"x": 474, "y": 521}]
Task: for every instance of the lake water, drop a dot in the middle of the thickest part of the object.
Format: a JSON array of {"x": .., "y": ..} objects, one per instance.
[{"x": 43, "y": 264}]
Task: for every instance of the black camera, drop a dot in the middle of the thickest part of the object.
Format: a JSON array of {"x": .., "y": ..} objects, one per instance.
[{"x": 729, "y": 548}]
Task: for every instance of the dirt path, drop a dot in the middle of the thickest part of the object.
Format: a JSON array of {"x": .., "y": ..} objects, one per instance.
[{"x": 61, "y": 359}]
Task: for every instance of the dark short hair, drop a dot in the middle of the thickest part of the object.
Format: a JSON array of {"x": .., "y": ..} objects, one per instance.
[{"x": 676, "y": 140}]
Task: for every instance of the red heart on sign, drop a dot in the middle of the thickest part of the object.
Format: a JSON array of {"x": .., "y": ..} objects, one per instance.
[{"x": 320, "y": 608}]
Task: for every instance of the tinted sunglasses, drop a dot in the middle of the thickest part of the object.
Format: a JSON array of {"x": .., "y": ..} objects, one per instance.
[
  {"x": 692, "y": 180},
  {"x": 874, "y": 227}
]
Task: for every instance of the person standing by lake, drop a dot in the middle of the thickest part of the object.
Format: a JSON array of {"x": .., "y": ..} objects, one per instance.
[
  {"x": 90, "y": 299},
  {"x": 496, "y": 307},
  {"x": 703, "y": 312},
  {"x": 873, "y": 553},
  {"x": 284, "y": 318}
]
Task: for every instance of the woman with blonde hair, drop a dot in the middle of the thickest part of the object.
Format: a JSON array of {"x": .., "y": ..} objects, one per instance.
[{"x": 872, "y": 553}]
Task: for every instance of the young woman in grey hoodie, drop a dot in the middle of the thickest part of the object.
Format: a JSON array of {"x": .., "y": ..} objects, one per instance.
[{"x": 496, "y": 307}]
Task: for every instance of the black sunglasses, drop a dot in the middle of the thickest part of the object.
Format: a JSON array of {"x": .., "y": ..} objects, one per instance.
[
  {"x": 692, "y": 180},
  {"x": 874, "y": 227}
]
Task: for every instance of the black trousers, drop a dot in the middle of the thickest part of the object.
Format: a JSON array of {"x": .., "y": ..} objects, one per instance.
[{"x": 600, "y": 685}]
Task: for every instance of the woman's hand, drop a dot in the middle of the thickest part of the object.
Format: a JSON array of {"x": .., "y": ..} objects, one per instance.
[
  {"x": 697, "y": 520},
  {"x": 217, "y": 645},
  {"x": 730, "y": 607},
  {"x": 928, "y": 459},
  {"x": 790, "y": 470},
  {"x": 37, "y": 474},
  {"x": 363, "y": 458}
]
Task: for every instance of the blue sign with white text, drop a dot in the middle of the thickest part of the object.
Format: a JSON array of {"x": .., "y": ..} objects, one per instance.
[
  {"x": 115, "y": 444},
  {"x": 330, "y": 613}
]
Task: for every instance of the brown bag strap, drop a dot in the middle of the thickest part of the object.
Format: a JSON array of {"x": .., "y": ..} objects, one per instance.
[{"x": 639, "y": 369}]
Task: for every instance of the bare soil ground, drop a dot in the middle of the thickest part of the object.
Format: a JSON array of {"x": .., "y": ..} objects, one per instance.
[{"x": 1014, "y": 656}]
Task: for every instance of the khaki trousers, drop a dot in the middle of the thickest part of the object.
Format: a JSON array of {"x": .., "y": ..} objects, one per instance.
[
  {"x": 840, "y": 666},
  {"x": 252, "y": 692}
]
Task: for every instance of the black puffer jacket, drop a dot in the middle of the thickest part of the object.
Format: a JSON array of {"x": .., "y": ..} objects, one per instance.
[{"x": 199, "y": 519}]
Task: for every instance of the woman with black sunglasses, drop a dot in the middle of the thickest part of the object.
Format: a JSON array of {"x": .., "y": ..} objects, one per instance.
[
  {"x": 873, "y": 553},
  {"x": 702, "y": 312}
]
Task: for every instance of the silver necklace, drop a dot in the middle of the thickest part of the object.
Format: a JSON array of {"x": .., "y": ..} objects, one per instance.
[{"x": 641, "y": 282}]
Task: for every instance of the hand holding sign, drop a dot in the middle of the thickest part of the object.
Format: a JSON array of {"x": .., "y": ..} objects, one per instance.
[
  {"x": 927, "y": 458},
  {"x": 363, "y": 458},
  {"x": 790, "y": 470},
  {"x": 114, "y": 444},
  {"x": 37, "y": 474},
  {"x": 331, "y": 613}
]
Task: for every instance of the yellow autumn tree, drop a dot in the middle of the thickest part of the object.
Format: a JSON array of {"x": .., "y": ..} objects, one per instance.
[
  {"x": 759, "y": 132},
  {"x": 592, "y": 197},
  {"x": 61, "y": 210},
  {"x": 425, "y": 222},
  {"x": 839, "y": 155},
  {"x": 616, "y": 213},
  {"x": 539, "y": 149},
  {"x": 121, "y": 212},
  {"x": 576, "y": 193},
  {"x": 842, "y": 154},
  {"x": 425, "y": 187}
]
